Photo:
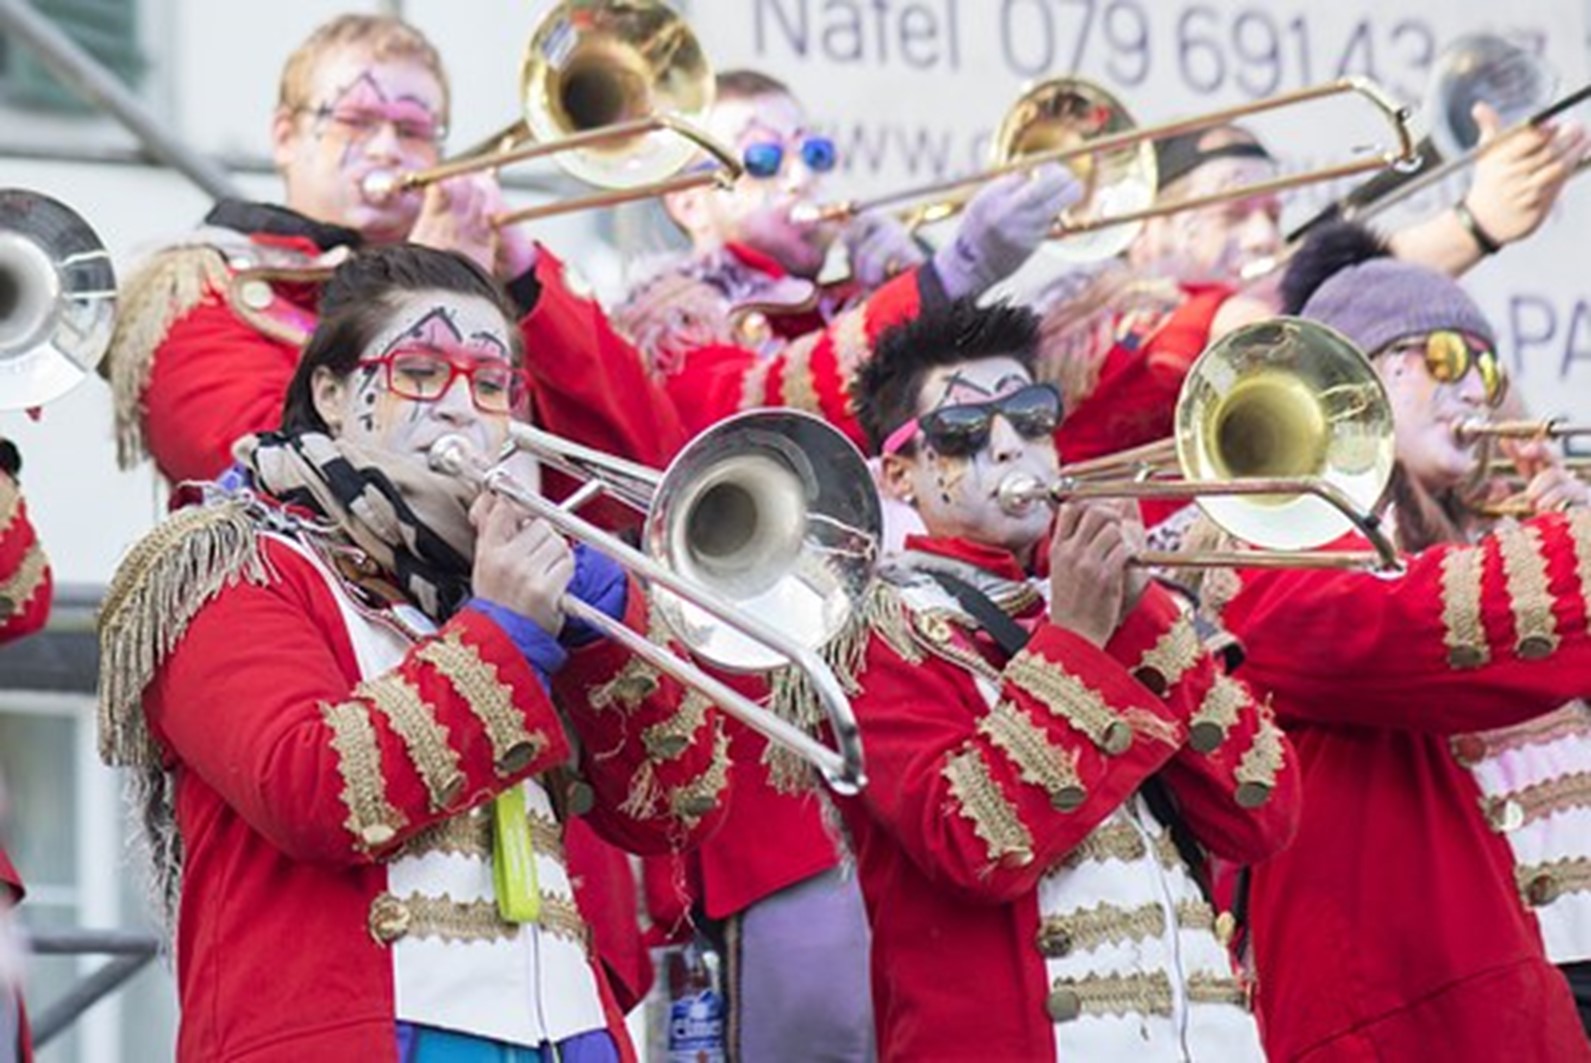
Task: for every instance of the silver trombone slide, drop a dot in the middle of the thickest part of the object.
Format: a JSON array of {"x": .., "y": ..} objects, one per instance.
[{"x": 841, "y": 767}]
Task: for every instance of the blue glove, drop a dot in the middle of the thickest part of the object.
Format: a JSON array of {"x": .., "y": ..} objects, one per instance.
[
  {"x": 540, "y": 649},
  {"x": 1002, "y": 226},
  {"x": 600, "y": 581},
  {"x": 880, "y": 247}
]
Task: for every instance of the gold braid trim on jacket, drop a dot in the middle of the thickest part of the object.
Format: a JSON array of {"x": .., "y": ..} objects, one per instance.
[
  {"x": 158, "y": 294},
  {"x": 170, "y": 575}
]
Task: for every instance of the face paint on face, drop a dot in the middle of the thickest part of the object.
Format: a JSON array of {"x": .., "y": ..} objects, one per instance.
[
  {"x": 361, "y": 115},
  {"x": 464, "y": 329},
  {"x": 956, "y": 496},
  {"x": 756, "y": 211}
]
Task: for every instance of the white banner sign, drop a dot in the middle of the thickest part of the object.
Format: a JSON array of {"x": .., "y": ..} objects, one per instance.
[{"x": 912, "y": 90}]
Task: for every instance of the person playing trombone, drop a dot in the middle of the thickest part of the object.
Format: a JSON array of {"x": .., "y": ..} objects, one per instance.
[
  {"x": 1033, "y": 836},
  {"x": 1119, "y": 343},
  {"x": 1394, "y": 926},
  {"x": 359, "y": 718},
  {"x": 203, "y": 353}
]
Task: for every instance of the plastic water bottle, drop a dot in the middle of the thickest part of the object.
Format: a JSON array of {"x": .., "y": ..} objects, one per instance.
[{"x": 696, "y": 1009}]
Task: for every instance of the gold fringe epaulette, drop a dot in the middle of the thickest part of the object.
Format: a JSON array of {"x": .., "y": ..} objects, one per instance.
[
  {"x": 790, "y": 693},
  {"x": 155, "y": 297},
  {"x": 158, "y": 589}
]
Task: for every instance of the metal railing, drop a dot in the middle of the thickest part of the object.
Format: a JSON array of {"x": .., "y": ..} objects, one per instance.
[{"x": 131, "y": 949}]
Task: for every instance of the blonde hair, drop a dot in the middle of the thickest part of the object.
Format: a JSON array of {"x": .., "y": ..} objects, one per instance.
[{"x": 383, "y": 36}]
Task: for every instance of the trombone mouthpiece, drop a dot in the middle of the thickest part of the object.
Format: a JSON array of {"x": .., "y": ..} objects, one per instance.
[
  {"x": 813, "y": 213},
  {"x": 1018, "y": 491},
  {"x": 1468, "y": 431},
  {"x": 453, "y": 455},
  {"x": 379, "y": 186}
]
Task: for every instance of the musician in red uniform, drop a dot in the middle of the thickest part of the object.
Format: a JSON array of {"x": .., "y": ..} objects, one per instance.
[
  {"x": 1393, "y": 927},
  {"x": 200, "y": 358},
  {"x": 740, "y": 321},
  {"x": 360, "y": 716},
  {"x": 1119, "y": 344},
  {"x": 1048, "y": 743}
]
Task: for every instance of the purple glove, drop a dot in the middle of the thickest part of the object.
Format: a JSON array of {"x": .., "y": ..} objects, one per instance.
[
  {"x": 880, "y": 247},
  {"x": 1004, "y": 224}
]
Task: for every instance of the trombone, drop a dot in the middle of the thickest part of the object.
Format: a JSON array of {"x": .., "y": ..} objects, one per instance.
[
  {"x": 1475, "y": 68},
  {"x": 768, "y": 514},
  {"x": 1283, "y": 437},
  {"x": 614, "y": 91},
  {"x": 1076, "y": 122},
  {"x": 57, "y": 299}
]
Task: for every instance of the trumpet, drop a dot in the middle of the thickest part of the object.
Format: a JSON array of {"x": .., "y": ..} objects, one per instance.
[
  {"x": 57, "y": 299},
  {"x": 612, "y": 90},
  {"x": 771, "y": 513},
  {"x": 1283, "y": 438},
  {"x": 1079, "y": 124}
]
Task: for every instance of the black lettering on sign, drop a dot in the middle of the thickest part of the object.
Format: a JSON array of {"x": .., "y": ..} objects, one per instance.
[
  {"x": 918, "y": 34},
  {"x": 1538, "y": 341}
]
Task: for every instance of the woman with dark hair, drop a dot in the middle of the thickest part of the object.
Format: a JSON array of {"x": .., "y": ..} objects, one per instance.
[
  {"x": 360, "y": 719},
  {"x": 1390, "y": 930}
]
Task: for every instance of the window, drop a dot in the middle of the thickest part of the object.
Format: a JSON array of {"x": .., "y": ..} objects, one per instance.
[{"x": 107, "y": 30}]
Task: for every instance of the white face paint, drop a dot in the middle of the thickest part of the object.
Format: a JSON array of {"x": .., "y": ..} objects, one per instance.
[
  {"x": 1214, "y": 244},
  {"x": 363, "y": 408},
  {"x": 756, "y": 210},
  {"x": 956, "y": 496}
]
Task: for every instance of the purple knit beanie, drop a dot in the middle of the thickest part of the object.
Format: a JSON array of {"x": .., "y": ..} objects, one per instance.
[{"x": 1381, "y": 300}]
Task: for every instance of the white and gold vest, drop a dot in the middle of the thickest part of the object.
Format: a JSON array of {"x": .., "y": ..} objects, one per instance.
[{"x": 456, "y": 964}]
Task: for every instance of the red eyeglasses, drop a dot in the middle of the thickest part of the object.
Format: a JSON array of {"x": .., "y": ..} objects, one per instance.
[{"x": 426, "y": 375}]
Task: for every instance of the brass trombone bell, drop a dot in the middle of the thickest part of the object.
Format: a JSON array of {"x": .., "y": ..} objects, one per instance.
[
  {"x": 1077, "y": 124},
  {"x": 614, "y": 91},
  {"x": 1283, "y": 438},
  {"x": 57, "y": 299},
  {"x": 759, "y": 542}
]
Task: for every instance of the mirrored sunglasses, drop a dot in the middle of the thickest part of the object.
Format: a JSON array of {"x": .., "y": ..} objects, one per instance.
[
  {"x": 1449, "y": 356},
  {"x": 962, "y": 430},
  {"x": 766, "y": 158}
]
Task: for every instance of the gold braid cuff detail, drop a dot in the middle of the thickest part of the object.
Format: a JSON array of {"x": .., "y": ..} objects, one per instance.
[
  {"x": 1217, "y": 712},
  {"x": 371, "y": 818},
  {"x": 1164, "y": 664},
  {"x": 1529, "y": 593},
  {"x": 491, "y": 700},
  {"x": 1038, "y": 761},
  {"x": 670, "y": 739},
  {"x": 424, "y": 738},
  {"x": 1206, "y": 988},
  {"x": 994, "y": 818},
  {"x": 851, "y": 346},
  {"x": 469, "y": 834},
  {"x": 690, "y": 801},
  {"x": 1110, "y": 994},
  {"x": 754, "y": 386},
  {"x": 636, "y": 681},
  {"x": 1461, "y": 608},
  {"x": 1256, "y": 772},
  {"x": 1070, "y": 699}
]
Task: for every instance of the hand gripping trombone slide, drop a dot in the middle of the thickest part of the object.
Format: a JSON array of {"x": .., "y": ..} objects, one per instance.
[{"x": 772, "y": 509}]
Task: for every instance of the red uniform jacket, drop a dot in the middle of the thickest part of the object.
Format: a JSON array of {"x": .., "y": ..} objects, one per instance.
[
  {"x": 711, "y": 369},
  {"x": 292, "y": 788},
  {"x": 25, "y": 580},
  {"x": 215, "y": 375},
  {"x": 1391, "y": 929},
  {"x": 975, "y": 799},
  {"x": 1135, "y": 399}
]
